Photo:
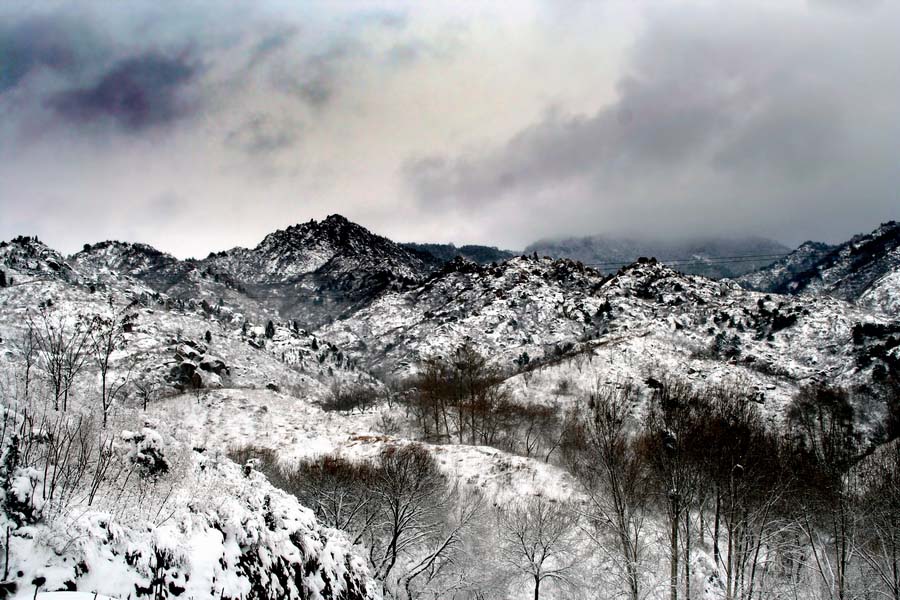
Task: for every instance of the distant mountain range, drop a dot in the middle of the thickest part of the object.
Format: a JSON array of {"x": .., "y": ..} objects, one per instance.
[
  {"x": 711, "y": 257},
  {"x": 443, "y": 253},
  {"x": 317, "y": 270}
]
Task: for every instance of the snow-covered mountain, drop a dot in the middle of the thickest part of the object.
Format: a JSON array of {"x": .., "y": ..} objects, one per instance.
[
  {"x": 863, "y": 270},
  {"x": 344, "y": 300},
  {"x": 310, "y": 273},
  {"x": 334, "y": 246},
  {"x": 26, "y": 259},
  {"x": 779, "y": 276}
]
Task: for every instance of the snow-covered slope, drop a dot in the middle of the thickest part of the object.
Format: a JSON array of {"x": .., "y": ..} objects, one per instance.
[
  {"x": 220, "y": 533},
  {"x": 26, "y": 259},
  {"x": 200, "y": 529},
  {"x": 552, "y": 309},
  {"x": 535, "y": 306}
]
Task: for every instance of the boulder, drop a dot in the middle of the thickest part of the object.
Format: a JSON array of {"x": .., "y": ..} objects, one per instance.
[
  {"x": 187, "y": 351},
  {"x": 213, "y": 364},
  {"x": 185, "y": 374}
]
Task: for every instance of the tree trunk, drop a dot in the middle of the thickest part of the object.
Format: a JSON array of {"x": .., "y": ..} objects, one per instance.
[
  {"x": 716, "y": 530},
  {"x": 673, "y": 563},
  {"x": 687, "y": 555}
]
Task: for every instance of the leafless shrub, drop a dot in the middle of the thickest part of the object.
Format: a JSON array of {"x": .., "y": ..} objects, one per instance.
[{"x": 350, "y": 397}]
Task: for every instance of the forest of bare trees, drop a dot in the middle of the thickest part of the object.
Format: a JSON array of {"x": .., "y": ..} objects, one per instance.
[{"x": 803, "y": 508}]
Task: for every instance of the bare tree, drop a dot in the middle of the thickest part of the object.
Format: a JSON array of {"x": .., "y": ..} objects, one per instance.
[
  {"x": 537, "y": 540},
  {"x": 460, "y": 396},
  {"x": 602, "y": 452},
  {"x": 60, "y": 350},
  {"x": 410, "y": 489},
  {"x": 400, "y": 506},
  {"x": 745, "y": 477},
  {"x": 822, "y": 420},
  {"x": 337, "y": 489},
  {"x": 671, "y": 425},
  {"x": 27, "y": 347},
  {"x": 148, "y": 389},
  {"x": 880, "y": 549},
  {"x": 106, "y": 335}
]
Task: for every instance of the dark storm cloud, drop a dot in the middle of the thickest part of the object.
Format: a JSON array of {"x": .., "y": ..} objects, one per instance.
[
  {"x": 770, "y": 117},
  {"x": 136, "y": 92},
  {"x": 683, "y": 99},
  {"x": 717, "y": 110},
  {"x": 60, "y": 43}
]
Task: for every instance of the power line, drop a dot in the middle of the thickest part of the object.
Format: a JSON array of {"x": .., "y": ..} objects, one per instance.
[{"x": 716, "y": 260}]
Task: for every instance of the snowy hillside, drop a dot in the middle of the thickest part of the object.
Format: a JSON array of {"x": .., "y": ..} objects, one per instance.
[
  {"x": 217, "y": 533},
  {"x": 444, "y": 253},
  {"x": 523, "y": 305},
  {"x": 547, "y": 310},
  {"x": 779, "y": 277},
  {"x": 27, "y": 259}
]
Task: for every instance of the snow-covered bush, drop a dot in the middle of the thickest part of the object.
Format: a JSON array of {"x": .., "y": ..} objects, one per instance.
[
  {"x": 225, "y": 536},
  {"x": 146, "y": 451}
]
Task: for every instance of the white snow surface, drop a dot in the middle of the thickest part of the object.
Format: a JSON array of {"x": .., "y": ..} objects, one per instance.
[{"x": 220, "y": 534}]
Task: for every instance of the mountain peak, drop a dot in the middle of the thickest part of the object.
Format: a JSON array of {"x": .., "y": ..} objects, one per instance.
[
  {"x": 102, "y": 260},
  {"x": 27, "y": 258},
  {"x": 336, "y": 219}
]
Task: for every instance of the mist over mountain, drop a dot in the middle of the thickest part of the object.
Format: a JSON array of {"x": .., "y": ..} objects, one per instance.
[{"x": 711, "y": 257}]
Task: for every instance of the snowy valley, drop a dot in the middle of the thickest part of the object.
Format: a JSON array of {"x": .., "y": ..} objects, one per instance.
[{"x": 334, "y": 415}]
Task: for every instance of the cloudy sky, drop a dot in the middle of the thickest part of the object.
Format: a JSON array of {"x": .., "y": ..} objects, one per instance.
[{"x": 198, "y": 126}]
